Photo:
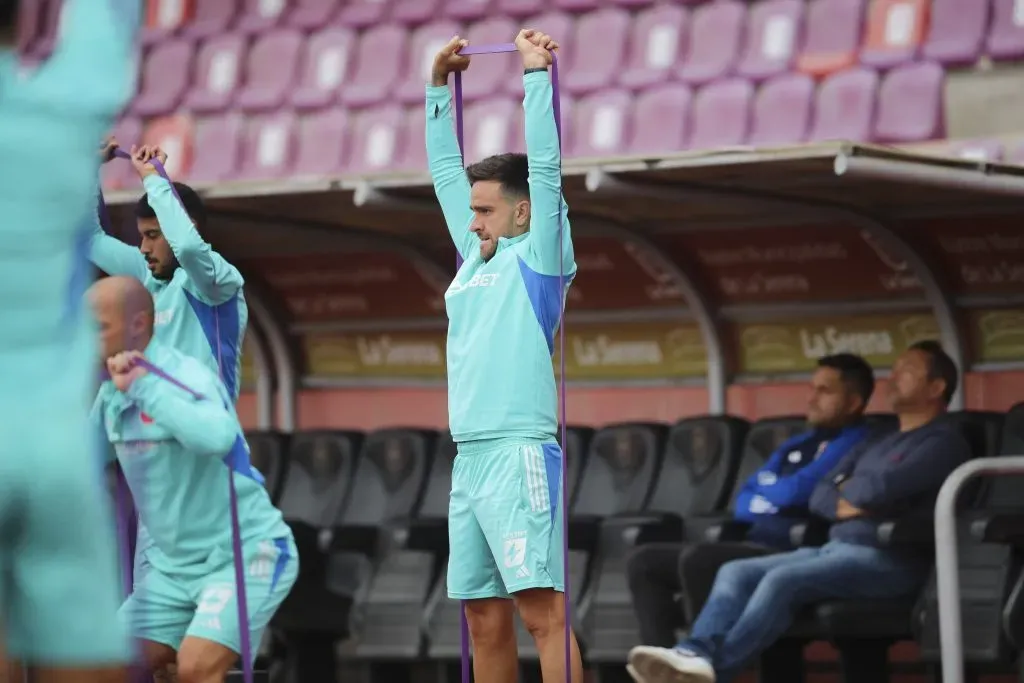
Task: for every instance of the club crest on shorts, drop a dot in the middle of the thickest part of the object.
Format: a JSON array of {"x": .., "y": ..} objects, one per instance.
[{"x": 515, "y": 551}]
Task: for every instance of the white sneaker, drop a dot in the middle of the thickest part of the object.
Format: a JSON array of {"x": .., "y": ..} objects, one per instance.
[{"x": 664, "y": 665}]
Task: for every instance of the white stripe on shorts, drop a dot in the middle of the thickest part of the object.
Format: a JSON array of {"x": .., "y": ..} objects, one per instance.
[{"x": 536, "y": 478}]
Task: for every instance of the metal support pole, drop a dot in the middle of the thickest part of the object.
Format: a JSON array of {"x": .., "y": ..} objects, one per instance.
[{"x": 947, "y": 568}]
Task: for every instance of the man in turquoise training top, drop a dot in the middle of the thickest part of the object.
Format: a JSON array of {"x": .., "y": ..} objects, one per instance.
[
  {"x": 177, "y": 452},
  {"x": 505, "y": 517},
  {"x": 59, "y": 582}
]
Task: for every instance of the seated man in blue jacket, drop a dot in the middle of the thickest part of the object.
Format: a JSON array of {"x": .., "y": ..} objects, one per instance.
[
  {"x": 773, "y": 498},
  {"x": 754, "y": 600}
]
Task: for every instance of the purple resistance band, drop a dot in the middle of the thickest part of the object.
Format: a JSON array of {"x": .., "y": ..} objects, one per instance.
[
  {"x": 459, "y": 131},
  {"x": 124, "y": 511}
]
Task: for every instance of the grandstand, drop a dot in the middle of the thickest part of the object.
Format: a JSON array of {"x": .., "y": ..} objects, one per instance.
[{"x": 735, "y": 217}]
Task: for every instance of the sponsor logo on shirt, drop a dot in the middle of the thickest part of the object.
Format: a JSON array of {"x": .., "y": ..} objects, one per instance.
[
  {"x": 478, "y": 280},
  {"x": 163, "y": 317}
]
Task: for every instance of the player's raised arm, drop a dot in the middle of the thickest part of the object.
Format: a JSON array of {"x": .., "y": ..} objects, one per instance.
[
  {"x": 443, "y": 154},
  {"x": 214, "y": 278},
  {"x": 107, "y": 253},
  {"x": 544, "y": 154}
]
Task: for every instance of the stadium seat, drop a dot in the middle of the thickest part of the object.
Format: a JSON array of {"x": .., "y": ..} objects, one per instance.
[
  {"x": 325, "y": 66},
  {"x": 603, "y": 122},
  {"x": 910, "y": 104},
  {"x": 519, "y": 9},
  {"x": 983, "y": 430},
  {"x": 469, "y": 10},
  {"x": 956, "y": 34},
  {"x": 645, "y": 3},
  {"x": 217, "y": 73},
  {"x": 218, "y": 148},
  {"x": 310, "y": 15},
  {"x": 413, "y": 135},
  {"x": 268, "y": 453},
  {"x": 363, "y": 14},
  {"x": 174, "y": 135},
  {"x": 119, "y": 175},
  {"x": 262, "y": 15},
  {"x": 832, "y": 36},
  {"x": 424, "y": 44},
  {"x": 578, "y": 6},
  {"x": 166, "y": 74},
  {"x": 212, "y": 18},
  {"x": 661, "y": 118},
  {"x": 270, "y": 70},
  {"x": 322, "y": 143},
  {"x": 268, "y": 148},
  {"x": 490, "y": 127},
  {"x": 555, "y": 24},
  {"x": 490, "y": 74},
  {"x": 377, "y": 143},
  {"x": 846, "y": 105},
  {"x": 895, "y": 31},
  {"x": 716, "y": 34},
  {"x": 1012, "y": 441},
  {"x": 774, "y": 34},
  {"x": 1006, "y": 35},
  {"x": 600, "y": 48},
  {"x": 690, "y": 486},
  {"x": 161, "y": 19},
  {"x": 782, "y": 110},
  {"x": 415, "y": 11},
  {"x": 721, "y": 114},
  {"x": 657, "y": 40},
  {"x": 379, "y": 59}
]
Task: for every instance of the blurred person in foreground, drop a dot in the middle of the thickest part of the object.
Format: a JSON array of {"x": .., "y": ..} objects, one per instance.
[
  {"x": 754, "y": 600},
  {"x": 508, "y": 219},
  {"x": 772, "y": 500},
  {"x": 59, "y": 582}
]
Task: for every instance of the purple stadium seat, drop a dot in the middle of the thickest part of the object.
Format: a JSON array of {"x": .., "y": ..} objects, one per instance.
[
  {"x": 522, "y": 8},
  {"x": 716, "y": 33},
  {"x": 218, "y": 148},
  {"x": 894, "y": 32},
  {"x": 423, "y": 45},
  {"x": 782, "y": 110},
  {"x": 774, "y": 36},
  {"x": 268, "y": 150},
  {"x": 165, "y": 78},
  {"x": 562, "y": 28},
  {"x": 167, "y": 17},
  {"x": 657, "y": 39},
  {"x": 415, "y": 11},
  {"x": 379, "y": 59},
  {"x": 377, "y": 143},
  {"x": 413, "y": 155},
  {"x": 1006, "y": 37},
  {"x": 845, "y": 107},
  {"x": 469, "y": 10},
  {"x": 957, "y": 31},
  {"x": 641, "y": 3},
  {"x": 978, "y": 150},
  {"x": 603, "y": 123},
  {"x": 116, "y": 176},
  {"x": 910, "y": 101},
  {"x": 325, "y": 66},
  {"x": 661, "y": 119},
  {"x": 364, "y": 13},
  {"x": 490, "y": 74},
  {"x": 832, "y": 36},
  {"x": 577, "y": 5},
  {"x": 312, "y": 14},
  {"x": 491, "y": 128},
  {"x": 600, "y": 40},
  {"x": 217, "y": 71},
  {"x": 262, "y": 15},
  {"x": 721, "y": 114},
  {"x": 271, "y": 69},
  {"x": 322, "y": 144},
  {"x": 212, "y": 18}
]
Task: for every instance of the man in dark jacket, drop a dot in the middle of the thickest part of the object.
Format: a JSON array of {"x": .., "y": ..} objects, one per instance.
[
  {"x": 772, "y": 499},
  {"x": 754, "y": 600}
]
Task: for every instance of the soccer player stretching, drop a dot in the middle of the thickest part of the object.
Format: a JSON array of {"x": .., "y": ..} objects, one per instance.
[{"x": 505, "y": 516}]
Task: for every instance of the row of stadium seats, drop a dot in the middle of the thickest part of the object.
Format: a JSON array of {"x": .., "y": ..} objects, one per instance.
[{"x": 369, "y": 515}]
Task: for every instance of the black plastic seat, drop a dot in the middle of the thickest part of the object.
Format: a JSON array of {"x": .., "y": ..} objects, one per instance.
[
  {"x": 268, "y": 453},
  {"x": 982, "y": 429}
]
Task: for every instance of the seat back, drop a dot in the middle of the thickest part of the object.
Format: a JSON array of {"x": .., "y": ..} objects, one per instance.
[
  {"x": 604, "y": 122},
  {"x": 832, "y": 37},
  {"x": 1012, "y": 441},
  {"x": 576, "y": 448},
  {"x": 268, "y": 453},
  {"x": 1006, "y": 37},
  {"x": 699, "y": 466},
  {"x": 763, "y": 437},
  {"x": 774, "y": 35},
  {"x": 321, "y": 465},
  {"x": 956, "y": 31},
  {"x": 982, "y": 429},
  {"x": 782, "y": 110},
  {"x": 721, "y": 114},
  {"x": 389, "y": 477},
  {"x": 716, "y": 33},
  {"x": 662, "y": 117},
  {"x": 845, "y": 108},
  {"x": 439, "y": 479},
  {"x": 620, "y": 469},
  {"x": 910, "y": 105}
]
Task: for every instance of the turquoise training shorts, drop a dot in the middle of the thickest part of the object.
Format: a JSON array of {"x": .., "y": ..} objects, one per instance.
[
  {"x": 505, "y": 519},
  {"x": 60, "y": 584},
  {"x": 166, "y": 607}
]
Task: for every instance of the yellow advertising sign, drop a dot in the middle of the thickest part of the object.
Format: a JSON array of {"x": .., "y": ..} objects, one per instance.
[
  {"x": 419, "y": 355},
  {"x": 633, "y": 351},
  {"x": 769, "y": 348},
  {"x": 998, "y": 335}
]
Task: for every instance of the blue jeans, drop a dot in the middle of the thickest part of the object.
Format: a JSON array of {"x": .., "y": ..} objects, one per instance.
[{"x": 753, "y": 601}]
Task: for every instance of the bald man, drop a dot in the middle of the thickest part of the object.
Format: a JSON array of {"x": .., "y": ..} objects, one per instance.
[{"x": 177, "y": 451}]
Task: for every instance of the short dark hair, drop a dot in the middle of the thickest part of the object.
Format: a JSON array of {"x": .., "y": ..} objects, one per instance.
[
  {"x": 854, "y": 371},
  {"x": 509, "y": 170},
  {"x": 940, "y": 366},
  {"x": 194, "y": 206},
  {"x": 8, "y": 15}
]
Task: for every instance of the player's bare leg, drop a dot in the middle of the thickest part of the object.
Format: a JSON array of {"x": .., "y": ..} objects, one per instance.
[
  {"x": 204, "y": 661},
  {"x": 543, "y": 613},
  {"x": 491, "y": 628}
]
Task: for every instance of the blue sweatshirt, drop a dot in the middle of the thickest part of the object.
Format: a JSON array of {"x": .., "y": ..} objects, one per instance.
[
  {"x": 898, "y": 474},
  {"x": 785, "y": 483}
]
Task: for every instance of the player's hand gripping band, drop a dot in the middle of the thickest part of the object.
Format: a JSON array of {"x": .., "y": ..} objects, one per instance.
[
  {"x": 459, "y": 131},
  {"x": 236, "y": 532}
]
